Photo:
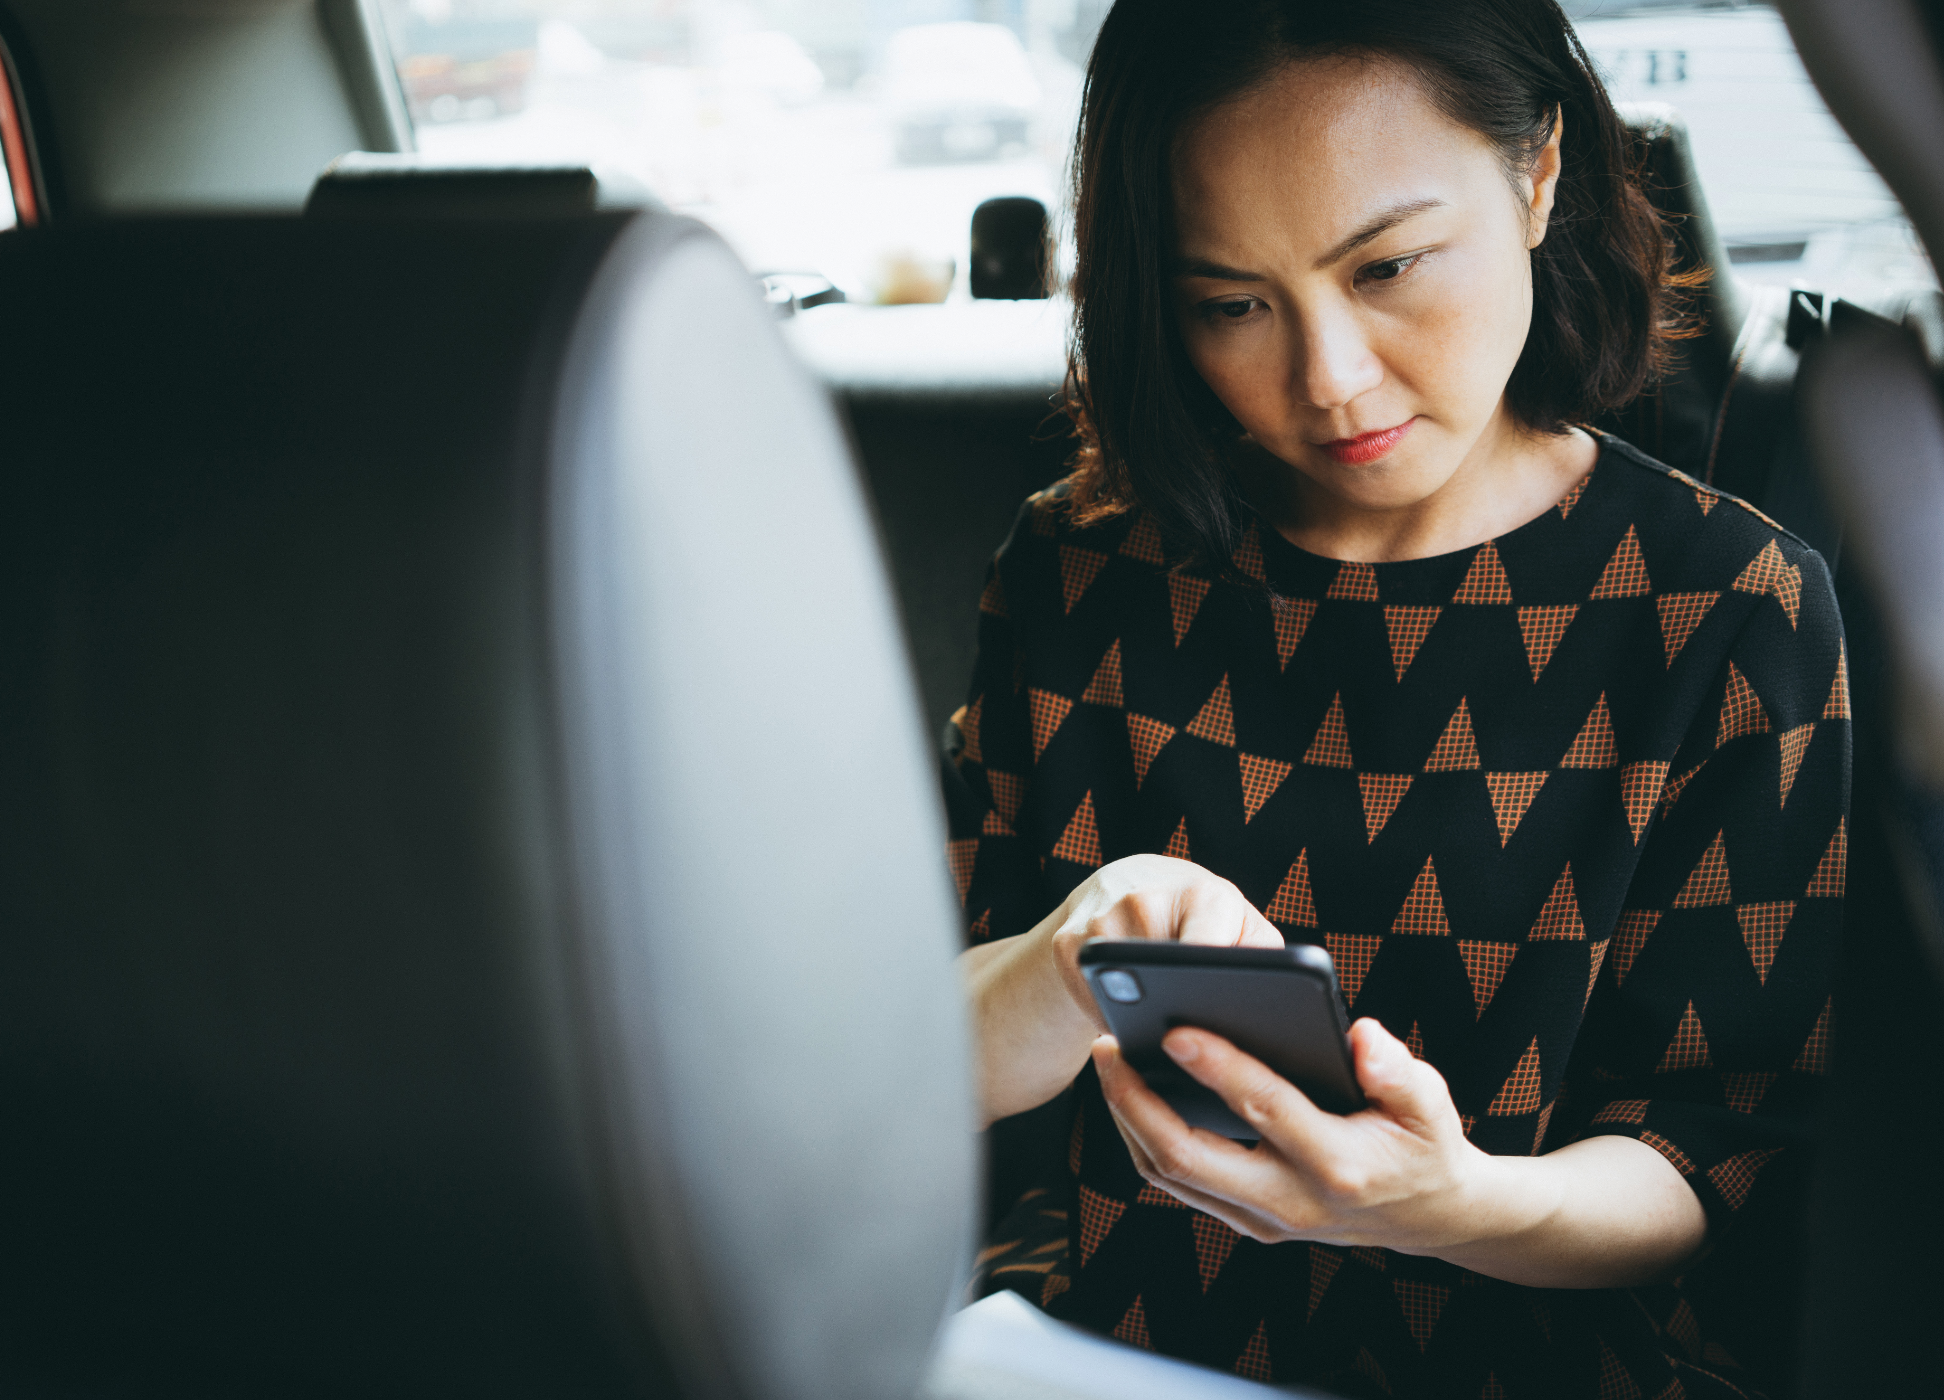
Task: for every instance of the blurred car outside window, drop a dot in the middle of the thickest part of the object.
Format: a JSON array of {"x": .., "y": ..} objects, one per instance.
[{"x": 852, "y": 139}]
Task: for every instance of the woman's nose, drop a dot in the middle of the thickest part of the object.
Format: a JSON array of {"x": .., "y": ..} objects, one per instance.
[{"x": 1333, "y": 361}]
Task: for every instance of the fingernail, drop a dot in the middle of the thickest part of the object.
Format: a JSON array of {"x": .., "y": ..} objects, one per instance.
[{"x": 1182, "y": 1051}]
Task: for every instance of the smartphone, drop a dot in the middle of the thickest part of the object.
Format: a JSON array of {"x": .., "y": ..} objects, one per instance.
[{"x": 1280, "y": 1005}]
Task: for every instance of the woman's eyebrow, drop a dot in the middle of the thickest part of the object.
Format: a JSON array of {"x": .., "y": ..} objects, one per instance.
[
  {"x": 1381, "y": 224},
  {"x": 1201, "y": 267}
]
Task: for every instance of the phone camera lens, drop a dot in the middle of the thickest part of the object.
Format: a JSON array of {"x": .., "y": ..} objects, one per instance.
[{"x": 1120, "y": 985}]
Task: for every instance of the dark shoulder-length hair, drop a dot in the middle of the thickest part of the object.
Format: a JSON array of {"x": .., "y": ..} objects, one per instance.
[{"x": 1151, "y": 431}]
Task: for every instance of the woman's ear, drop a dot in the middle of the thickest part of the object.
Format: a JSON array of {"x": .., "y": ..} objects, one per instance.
[{"x": 1542, "y": 181}]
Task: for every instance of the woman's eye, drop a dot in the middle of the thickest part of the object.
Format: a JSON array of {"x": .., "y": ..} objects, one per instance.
[
  {"x": 1228, "y": 310},
  {"x": 1387, "y": 271}
]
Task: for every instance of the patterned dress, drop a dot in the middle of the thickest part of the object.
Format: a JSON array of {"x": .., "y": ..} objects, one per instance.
[{"x": 1568, "y": 811}]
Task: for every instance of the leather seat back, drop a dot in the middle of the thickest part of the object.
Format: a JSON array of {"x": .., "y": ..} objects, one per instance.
[{"x": 474, "y": 917}]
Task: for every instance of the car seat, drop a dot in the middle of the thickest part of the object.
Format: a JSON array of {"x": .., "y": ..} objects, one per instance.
[{"x": 474, "y": 918}]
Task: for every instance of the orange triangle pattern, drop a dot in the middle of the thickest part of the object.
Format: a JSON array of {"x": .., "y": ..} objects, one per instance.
[
  {"x": 1741, "y": 709},
  {"x": 1629, "y": 937},
  {"x": 996, "y": 825},
  {"x": 1260, "y": 779},
  {"x": 1152, "y": 1195},
  {"x": 1216, "y": 722},
  {"x": 1640, "y": 790},
  {"x": 1423, "y": 1304},
  {"x": 1248, "y": 554},
  {"x": 1571, "y": 498},
  {"x": 1143, "y": 542},
  {"x": 1253, "y": 1363},
  {"x": 1381, "y": 794},
  {"x": 1595, "y": 955},
  {"x": 1626, "y": 571},
  {"x": 1814, "y": 1058},
  {"x": 1324, "y": 1263},
  {"x": 1689, "y": 1048},
  {"x": 1707, "y": 500},
  {"x": 1512, "y": 794},
  {"x": 1762, "y": 927},
  {"x": 1794, "y": 744},
  {"x": 1049, "y": 711},
  {"x": 1838, "y": 706},
  {"x": 1680, "y": 614},
  {"x": 981, "y": 930},
  {"x": 1492, "y": 1390},
  {"x": 1674, "y": 1155},
  {"x": 1293, "y": 903},
  {"x": 1133, "y": 1328},
  {"x": 992, "y": 601},
  {"x": 1185, "y": 595},
  {"x": 1098, "y": 1215},
  {"x": 1145, "y": 740},
  {"x": 1292, "y": 620},
  {"x": 1520, "y": 1092},
  {"x": 1408, "y": 627},
  {"x": 1331, "y": 746},
  {"x": 961, "y": 855},
  {"x": 1485, "y": 581},
  {"x": 1353, "y": 953},
  {"x": 1542, "y": 628},
  {"x": 1423, "y": 911},
  {"x": 1414, "y": 1042},
  {"x": 1214, "y": 1242},
  {"x": 1105, "y": 687},
  {"x": 1457, "y": 748},
  {"x": 1354, "y": 582},
  {"x": 967, "y": 720},
  {"x": 1676, "y": 786},
  {"x": 1830, "y": 880},
  {"x": 1486, "y": 964},
  {"x": 1078, "y": 569},
  {"x": 1560, "y": 918},
  {"x": 1080, "y": 842},
  {"x": 1742, "y": 1090},
  {"x": 1768, "y": 572},
  {"x": 1595, "y": 746},
  {"x": 1707, "y": 883},
  {"x": 1178, "y": 843},
  {"x": 1735, "y": 1178},
  {"x": 1008, "y": 793}
]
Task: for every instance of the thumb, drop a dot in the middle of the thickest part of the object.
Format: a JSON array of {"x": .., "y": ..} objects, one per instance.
[{"x": 1392, "y": 1078}]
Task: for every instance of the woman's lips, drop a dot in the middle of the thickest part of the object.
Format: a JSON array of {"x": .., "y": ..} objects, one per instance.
[{"x": 1370, "y": 446}]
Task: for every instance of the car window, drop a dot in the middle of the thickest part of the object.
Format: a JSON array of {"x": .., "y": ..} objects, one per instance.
[{"x": 853, "y": 140}]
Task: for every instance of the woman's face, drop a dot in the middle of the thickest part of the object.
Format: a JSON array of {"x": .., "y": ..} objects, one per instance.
[{"x": 1353, "y": 278}]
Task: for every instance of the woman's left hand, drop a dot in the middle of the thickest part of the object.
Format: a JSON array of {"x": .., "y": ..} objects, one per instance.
[{"x": 1399, "y": 1174}]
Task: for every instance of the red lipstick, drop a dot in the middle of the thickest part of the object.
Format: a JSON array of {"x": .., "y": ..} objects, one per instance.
[{"x": 1370, "y": 446}]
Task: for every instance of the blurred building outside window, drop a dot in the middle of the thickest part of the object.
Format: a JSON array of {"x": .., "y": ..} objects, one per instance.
[{"x": 853, "y": 138}]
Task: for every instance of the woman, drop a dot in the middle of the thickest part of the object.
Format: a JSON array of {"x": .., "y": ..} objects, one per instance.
[{"x": 1342, "y": 632}]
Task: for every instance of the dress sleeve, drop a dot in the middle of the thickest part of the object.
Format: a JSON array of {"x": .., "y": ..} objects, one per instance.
[
  {"x": 1707, "y": 1033},
  {"x": 988, "y": 765}
]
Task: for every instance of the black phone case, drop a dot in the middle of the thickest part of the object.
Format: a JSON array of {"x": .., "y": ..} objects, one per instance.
[{"x": 1281, "y": 1005}]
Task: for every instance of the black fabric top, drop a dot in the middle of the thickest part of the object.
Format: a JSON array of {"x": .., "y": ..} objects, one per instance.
[{"x": 1568, "y": 811}]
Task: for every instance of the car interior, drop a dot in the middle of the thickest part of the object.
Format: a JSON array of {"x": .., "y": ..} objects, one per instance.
[{"x": 473, "y": 652}]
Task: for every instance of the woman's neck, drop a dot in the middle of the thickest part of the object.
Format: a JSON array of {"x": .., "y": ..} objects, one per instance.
[{"x": 1502, "y": 484}]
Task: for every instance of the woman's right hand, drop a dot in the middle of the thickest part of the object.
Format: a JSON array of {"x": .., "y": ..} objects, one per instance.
[{"x": 1034, "y": 1018}]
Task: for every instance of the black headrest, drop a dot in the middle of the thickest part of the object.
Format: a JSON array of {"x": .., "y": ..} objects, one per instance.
[
  {"x": 369, "y": 184},
  {"x": 1665, "y": 156},
  {"x": 472, "y": 918}
]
